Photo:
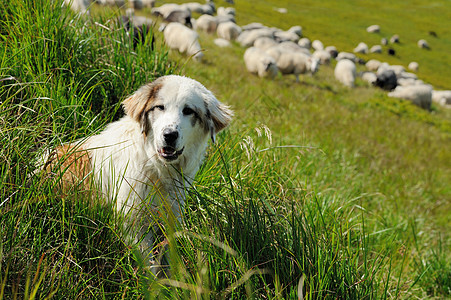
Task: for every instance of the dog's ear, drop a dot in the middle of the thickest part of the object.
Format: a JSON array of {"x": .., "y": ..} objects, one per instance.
[
  {"x": 219, "y": 114},
  {"x": 138, "y": 105}
]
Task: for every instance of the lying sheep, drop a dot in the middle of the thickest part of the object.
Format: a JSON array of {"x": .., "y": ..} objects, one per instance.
[
  {"x": 442, "y": 97},
  {"x": 185, "y": 40},
  {"x": 228, "y": 31},
  {"x": 345, "y": 72},
  {"x": 297, "y": 63},
  {"x": 260, "y": 63},
  {"x": 420, "y": 95},
  {"x": 207, "y": 23}
]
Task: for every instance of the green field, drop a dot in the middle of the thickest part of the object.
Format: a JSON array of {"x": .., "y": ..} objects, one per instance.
[{"x": 348, "y": 189}]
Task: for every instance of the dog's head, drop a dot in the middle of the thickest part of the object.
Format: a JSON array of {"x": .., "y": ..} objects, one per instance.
[{"x": 177, "y": 116}]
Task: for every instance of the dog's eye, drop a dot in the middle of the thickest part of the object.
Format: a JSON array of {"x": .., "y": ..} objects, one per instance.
[
  {"x": 159, "y": 107},
  {"x": 188, "y": 111}
]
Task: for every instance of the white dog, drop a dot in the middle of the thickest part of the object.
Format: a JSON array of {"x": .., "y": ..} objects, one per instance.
[{"x": 145, "y": 160}]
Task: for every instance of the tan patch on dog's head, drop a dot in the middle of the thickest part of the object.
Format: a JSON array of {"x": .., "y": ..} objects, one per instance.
[{"x": 138, "y": 105}]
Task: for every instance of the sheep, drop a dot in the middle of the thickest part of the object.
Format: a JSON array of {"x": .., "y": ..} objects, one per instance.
[
  {"x": 373, "y": 29},
  {"x": 260, "y": 63},
  {"x": 248, "y": 37},
  {"x": 323, "y": 56},
  {"x": 317, "y": 45},
  {"x": 413, "y": 66},
  {"x": 345, "y": 72},
  {"x": 423, "y": 44},
  {"x": 369, "y": 77},
  {"x": 203, "y": 9},
  {"x": 282, "y": 36},
  {"x": 296, "y": 29},
  {"x": 442, "y": 97},
  {"x": 252, "y": 26},
  {"x": 391, "y": 51},
  {"x": 386, "y": 79},
  {"x": 139, "y": 27},
  {"x": 394, "y": 39},
  {"x": 207, "y": 23},
  {"x": 297, "y": 63},
  {"x": 376, "y": 49},
  {"x": 332, "y": 51},
  {"x": 291, "y": 46},
  {"x": 140, "y": 4},
  {"x": 78, "y": 6},
  {"x": 228, "y": 31},
  {"x": 347, "y": 55},
  {"x": 361, "y": 48},
  {"x": 185, "y": 40},
  {"x": 373, "y": 65},
  {"x": 224, "y": 11},
  {"x": 264, "y": 43},
  {"x": 305, "y": 43},
  {"x": 409, "y": 81},
  {"x": 173, "y": 13},
  {"x": 420, "y": 95},
  {"x": 384, "y": 41}
]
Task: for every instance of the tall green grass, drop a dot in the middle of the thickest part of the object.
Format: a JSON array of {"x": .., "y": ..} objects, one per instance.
[{"x": 306, "y": 186}]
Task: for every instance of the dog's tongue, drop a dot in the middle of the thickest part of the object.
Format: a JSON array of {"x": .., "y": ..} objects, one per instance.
[{"x": 168, "y": 151}]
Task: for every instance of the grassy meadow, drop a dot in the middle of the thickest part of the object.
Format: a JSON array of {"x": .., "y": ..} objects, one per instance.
[{"x": 343, "y": 193}]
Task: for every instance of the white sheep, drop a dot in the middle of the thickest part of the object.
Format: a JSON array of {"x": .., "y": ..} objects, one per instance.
[
  {"x": 185, "y": 40},
  {"x": 305, "y": 43},
  {"x": 260, "y": 63},
  {"x": 345, "y": 72},
  {"x": 79, "y": 6},
  {"x": 207, "y": 23},
  {"x": 394, "y": 39},
  {"x": 373, "y": 65},
  {"x": 442, "y": 97},
  {"x": 224, "y": 11},
  {"x": 373, "y": 29},
  {"x": 323, "y": 56},
  {"x": 361, "y": 48},
  {"x": 265, "y": 43},
  {"x": 423, "y": 44},
  {"x": 317, "y": 45},
  {"x": 376, "y": 49},
  {"x": 228, "y": 31},
  {"x": 220, "y": 42},
  {"x": 282, "y": 36},
  {"x": 420, "y": 95},
  {"x": 347, "y": 55},
  {"x": 290, "y": 62},
  {"x": 296, "y": 29},
  {"x": 413, "y": 66},
  {"x": 140, "y": 4},
  {"x": 248, "y": 37},
  {"x": 369, "y": 77}
]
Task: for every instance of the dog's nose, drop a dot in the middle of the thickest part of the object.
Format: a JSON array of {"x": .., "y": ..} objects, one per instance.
[{"x": 170, "y": 135}]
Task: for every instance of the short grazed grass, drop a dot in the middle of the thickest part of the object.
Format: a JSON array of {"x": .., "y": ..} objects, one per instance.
[{"x": 347, "y": 189}]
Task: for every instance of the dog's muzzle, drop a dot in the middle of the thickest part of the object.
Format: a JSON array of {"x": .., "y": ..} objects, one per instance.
[{"x": 170, "y": 153}]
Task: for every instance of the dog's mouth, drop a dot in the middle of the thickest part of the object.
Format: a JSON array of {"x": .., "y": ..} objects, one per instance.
[{"x": 170, "y": 153}]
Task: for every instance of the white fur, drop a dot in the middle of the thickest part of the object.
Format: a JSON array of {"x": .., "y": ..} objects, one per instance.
[
  {"x": 129, "y": 160},
  {"x": 345, "y": 72}
]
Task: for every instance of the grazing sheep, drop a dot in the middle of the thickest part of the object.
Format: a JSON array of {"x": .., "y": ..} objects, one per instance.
[
  {"x": 394, "y": 39},
  {"x": 79, "y": 6},
  {"x": 260, "y": 63},
  {"x": 406, "y": 75},
  {"x": 185, "y": 40},
  {"x": 413, "y": 66},
  {"x": 248, "y": 37},
  {"x": 409, "y": 81},
  {"x": 442, "y": 97},
  {"x": 283, "y": 36},
  {"x": 332, "y": 51},
  {"x": 305, "y": 43},
  {"x": 384, "y": 41},
  {"x": 203, "y": 9},
  {"x": 228, "y": 31},
  {"x": 373, "y": 65},
  {"x": 140, "y": 4},
  {"x": 252, "y": 26},
  {"x": 140, "y": 27},
  {"x": 420, "y": 95},
  {"x": 265, "y": 43},
  {"x": 361, "y": 48},
  {"x": 347, "y": 55},
  {"x": 317, "y": 45},
  {"x": 296, "y": 29},
  {"x": 373, "y": 29},
  {"x": 369, "y": 77},
  {"x": 345, "y": 72},
  {"x": 423, "y": 44},
  {"x": 391, "y": 51},
  {"x": 207, "y": 23},
  {"x": 386, "y": 79},
  {"x": 297, "y": 63},
  {"x": 376, "y": 49},
  {"x": 225, "y": 11},
  {"x": 323, "y": 56},
  {"x": 173, "y": 13},
  {"x": 291, "y": 46}
]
